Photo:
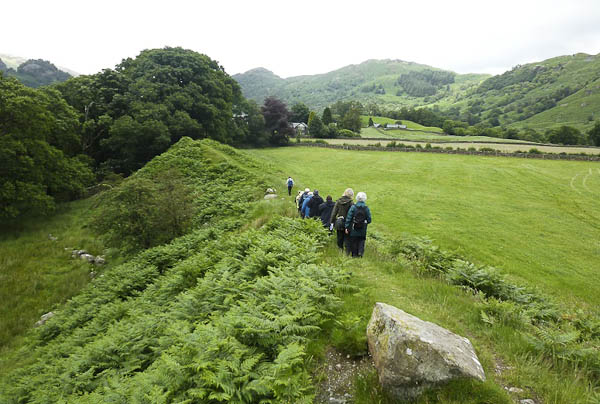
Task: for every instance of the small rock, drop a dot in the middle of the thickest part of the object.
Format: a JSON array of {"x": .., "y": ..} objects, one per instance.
[
  {"x": 99, "y": 261},
  {"x": 44, "y": 318},
  {"x": 87, "y": 257},
  {"x": 338, "y": 366},
  {"x": 515, "y": 390},
  {"x": 271, "y": 196},
  {"x": 527, "y": 401},
  {"x": 92, "y": 275},
  {"x": 51, "y": 237}
]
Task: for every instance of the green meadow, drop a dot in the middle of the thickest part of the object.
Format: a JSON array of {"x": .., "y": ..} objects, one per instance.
[{"x": 538, "y": 221}]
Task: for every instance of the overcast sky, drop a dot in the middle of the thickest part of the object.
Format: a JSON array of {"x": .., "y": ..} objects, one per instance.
[{"x": 294, "y": 38}]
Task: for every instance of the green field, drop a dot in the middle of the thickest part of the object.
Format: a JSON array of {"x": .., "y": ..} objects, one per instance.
[
  {"x": 467, "y": 142},
  {"x": 535, "y": 220},
  {"x": 399, "y": 134}
]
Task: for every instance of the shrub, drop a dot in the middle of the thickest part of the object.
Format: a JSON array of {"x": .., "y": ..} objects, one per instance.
[
  {"x": 143, "y": 213},
  {"x": 534, "y": 151},
  {"x": 487, "y": 149},
  {"x": 347, "y": 133}
]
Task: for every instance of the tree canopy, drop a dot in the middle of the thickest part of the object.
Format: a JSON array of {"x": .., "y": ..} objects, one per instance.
[
  {"x": 146, "y": 104},
  {"x": 276, "y": 117},
  {"x": 39, "y": 146}
]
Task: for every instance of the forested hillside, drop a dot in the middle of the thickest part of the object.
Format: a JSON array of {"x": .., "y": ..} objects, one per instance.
[{"x": 384, "y": 82}]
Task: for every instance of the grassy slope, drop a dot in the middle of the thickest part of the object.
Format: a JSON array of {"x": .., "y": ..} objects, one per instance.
[
  {"x": 37, "y": 273},
  {"x": 578, "y": 72},
  {"x": 537, "y": 220},
  {"x": 409, "y": 124}
]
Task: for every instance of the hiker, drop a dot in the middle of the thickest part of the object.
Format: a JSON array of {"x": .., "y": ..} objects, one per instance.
[
  {"x": 338, "y": 218},
  {"x": 313, "y": 205},
  {"x": 298, "y": 196},
  {"x": 325, "y": 210},
  {"x": 301, "y": 201},
  {"x": 290, "y": 184},
  {"x": 305, "y": 209},
  {"x": 359, "y": 216}
]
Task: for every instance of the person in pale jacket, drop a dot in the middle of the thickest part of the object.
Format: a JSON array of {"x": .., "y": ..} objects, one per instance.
[{"x": 357, "y": 220}]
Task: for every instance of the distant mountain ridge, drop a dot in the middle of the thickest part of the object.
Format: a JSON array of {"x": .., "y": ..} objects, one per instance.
[
  {"x": 33, "y": 72},
  {"x": 564, "y": 90},
  {"x": 371, "y": 81}
]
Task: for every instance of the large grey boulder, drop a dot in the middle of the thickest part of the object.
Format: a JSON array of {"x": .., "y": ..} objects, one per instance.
[{"x": 412, "y": 355}]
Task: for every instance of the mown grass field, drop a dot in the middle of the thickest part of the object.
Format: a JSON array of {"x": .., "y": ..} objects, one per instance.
[
  {"x": 536, "y": 220},
  {"x": 465, "y": 144},
  {"x": 397, "y": 134}
]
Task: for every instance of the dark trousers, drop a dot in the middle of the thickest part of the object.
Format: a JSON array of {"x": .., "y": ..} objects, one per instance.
[
  {"x": 343, "y": 240},
  {"x": 290, "y": 190},
  {"x": 357, "y": 246}
]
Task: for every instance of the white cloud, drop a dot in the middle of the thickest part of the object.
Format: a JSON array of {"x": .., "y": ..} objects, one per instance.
[{"x": 304, "y": 37}]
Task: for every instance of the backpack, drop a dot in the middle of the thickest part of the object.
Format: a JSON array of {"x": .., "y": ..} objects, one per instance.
[{"x": 360, "y": 218}]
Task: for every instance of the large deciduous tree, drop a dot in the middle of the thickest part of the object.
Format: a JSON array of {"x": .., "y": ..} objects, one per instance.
[
  {"x": 276, "y": 116},
  {"x": 594, "y": 134},
  {"x": 299, "y": 112},
  {"x": 150, "y": 102},
  {"x": 39, "y": 146}
]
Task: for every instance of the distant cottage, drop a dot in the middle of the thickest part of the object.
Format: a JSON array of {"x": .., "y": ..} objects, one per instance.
[{"x": 299, "y": 127}]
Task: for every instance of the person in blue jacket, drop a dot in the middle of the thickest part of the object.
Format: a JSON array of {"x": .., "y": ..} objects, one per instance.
[
  {"x": 305, "y": 209},
  {"x": 357, "y": 220}
]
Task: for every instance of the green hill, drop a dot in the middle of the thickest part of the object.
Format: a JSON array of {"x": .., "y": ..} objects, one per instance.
[{"x": 384, "y": 82}]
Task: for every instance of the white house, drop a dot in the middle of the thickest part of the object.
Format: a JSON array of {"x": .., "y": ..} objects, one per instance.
[{"x": 299, "y": 127}]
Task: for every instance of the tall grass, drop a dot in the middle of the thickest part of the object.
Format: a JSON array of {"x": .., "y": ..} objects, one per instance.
[{"x": 37, "y": 273}]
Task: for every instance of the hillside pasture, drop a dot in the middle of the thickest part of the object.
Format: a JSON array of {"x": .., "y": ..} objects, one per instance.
[
  {"x": 409, "y": 124},
  {"x": 535, "y": 220}
]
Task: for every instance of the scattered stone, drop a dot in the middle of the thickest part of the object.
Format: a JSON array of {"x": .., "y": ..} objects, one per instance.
[
  {"x": 338, "y": 366},
  {"x": 270, "y": 191},
  {"x": 412, "y": 355},
  {"x": 44, "y": 318},
  {"x": 515, "y": 390},
  {"x": 271, "y": 196},
  {"x": 527, "y": 401},
  {"x": 92, "y": 275},
  {"x": 99, "y": 260},
  {"x": 88, "y": 257},
  {"x": 51, "y": 237}
]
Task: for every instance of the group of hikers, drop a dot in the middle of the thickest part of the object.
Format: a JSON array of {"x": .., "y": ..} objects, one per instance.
[{"x": 349, "y": 219}]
